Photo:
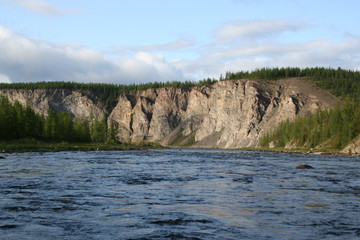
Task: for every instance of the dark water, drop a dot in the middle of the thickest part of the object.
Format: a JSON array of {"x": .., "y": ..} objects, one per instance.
[{"x": 178, "y": 194}]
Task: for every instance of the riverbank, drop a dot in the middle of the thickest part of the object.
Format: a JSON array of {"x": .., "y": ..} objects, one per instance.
[
  {"x": 316, "y": 151},
  {"x": 40, "y": 146},
  {"x": 322, "y": 151}
]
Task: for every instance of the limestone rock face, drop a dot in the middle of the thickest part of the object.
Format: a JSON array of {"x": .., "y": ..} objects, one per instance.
[
  {"x": 79, "y": 104},
  {"x": 228, "y": 114},
  {"x": 150, "y": 115}
]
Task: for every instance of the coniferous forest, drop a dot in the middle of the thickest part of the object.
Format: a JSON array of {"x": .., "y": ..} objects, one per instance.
[
  {"x": 332, "y": 129},
  {"x": 18, "y": 122},
  {"x": 324, "y": 129}
]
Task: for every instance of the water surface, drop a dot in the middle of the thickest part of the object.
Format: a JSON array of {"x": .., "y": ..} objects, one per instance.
[{"x": 178, "y": 194}]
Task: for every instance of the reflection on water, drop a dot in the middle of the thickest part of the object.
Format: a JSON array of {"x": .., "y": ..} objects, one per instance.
[{"x": 178, "y": 194}]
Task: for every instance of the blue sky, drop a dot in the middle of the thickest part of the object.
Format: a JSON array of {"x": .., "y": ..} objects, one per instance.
[{"x": 162, "y": 40}]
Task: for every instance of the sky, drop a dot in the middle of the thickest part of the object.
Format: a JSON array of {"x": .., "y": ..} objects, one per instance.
[{"x": 139, "y": 41}]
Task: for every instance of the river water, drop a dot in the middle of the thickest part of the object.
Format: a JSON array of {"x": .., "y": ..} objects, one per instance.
[{"x": 178, "y": 194}]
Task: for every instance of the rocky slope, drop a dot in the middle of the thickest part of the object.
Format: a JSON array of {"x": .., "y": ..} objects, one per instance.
[{"x": 228, "y": 114}]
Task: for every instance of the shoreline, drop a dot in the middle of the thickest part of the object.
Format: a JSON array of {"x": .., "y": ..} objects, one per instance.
[{"x": 25, "y": 147}]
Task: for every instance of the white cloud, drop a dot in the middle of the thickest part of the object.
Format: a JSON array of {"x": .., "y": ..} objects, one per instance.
[
  {"x": 174, "y": 46},
  {"x": 4, "y": 79},
  {"x": 237, "y": 45},
  {"x": 4, "y": 33},
  {"x": 23, "y": 60},
  {"x": 254, "y": 29},
  {"x": 247, "y": 45},
  {"x": 42, "y": 7}
]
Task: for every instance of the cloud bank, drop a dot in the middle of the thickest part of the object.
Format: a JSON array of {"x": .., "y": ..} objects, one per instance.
[
  {"x": 24, "y": 60},
  {"x": 236, "y": 45},
  {"x": 247, "y": 45}
]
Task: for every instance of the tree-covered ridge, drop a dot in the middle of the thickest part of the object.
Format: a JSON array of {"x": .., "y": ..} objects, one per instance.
[
  {"x": 107, "y": 92},
  {"x": 331, "y": 129},
  {"x": 18, "y": 122},
  {"x": 339, "y": 81},
  {"x": 104, "y": 87}
]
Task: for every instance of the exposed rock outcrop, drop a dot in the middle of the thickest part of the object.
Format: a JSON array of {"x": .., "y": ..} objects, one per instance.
[
  {"x": 80, "y": 105},
  {"x": 228, "y": 114}
]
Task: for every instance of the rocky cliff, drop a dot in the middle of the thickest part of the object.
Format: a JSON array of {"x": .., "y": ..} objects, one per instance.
[{"x": 228, "y": 114}]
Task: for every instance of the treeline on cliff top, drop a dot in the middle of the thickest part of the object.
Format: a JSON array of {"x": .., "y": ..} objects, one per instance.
[
  {"x": 19, "y": 122},
  {"x": 339, "y": 81},
  {"x": 108, "y": 93}
]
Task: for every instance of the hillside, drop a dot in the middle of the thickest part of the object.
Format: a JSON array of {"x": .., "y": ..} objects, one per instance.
[
  {"x": 223, "y": 114},
  {"x": 227, "y": 114}
]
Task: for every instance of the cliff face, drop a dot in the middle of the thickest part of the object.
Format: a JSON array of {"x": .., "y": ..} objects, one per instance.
[
  {"x": 229, "y": 114},
  {"x": 79, "y": 104}
]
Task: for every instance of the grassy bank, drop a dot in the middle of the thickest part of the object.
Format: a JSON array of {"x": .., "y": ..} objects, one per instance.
[{"x": 39, "y": 146}]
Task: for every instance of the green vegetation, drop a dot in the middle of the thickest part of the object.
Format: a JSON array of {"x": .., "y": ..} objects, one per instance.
[
  {"x": 325, "y": 130},
  {"x": 18, "y": 122},
  {"x": 329, "y": 129},
  {"x": 184, "y": 141},
  {"x": 29, "y": 145},
  {"x": 339, "y": 81},
  {"x": 21, "y": 129}
]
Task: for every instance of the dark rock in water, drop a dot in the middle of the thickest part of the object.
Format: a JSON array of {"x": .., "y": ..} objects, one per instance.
[
  {"x": 303, "y": 166},
  {"x": 1, "y": 157},
  {"x": 9, "y": 226}
]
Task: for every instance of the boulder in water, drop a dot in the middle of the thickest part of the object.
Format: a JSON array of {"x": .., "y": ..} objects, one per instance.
[{"x": 304, "y": 166}]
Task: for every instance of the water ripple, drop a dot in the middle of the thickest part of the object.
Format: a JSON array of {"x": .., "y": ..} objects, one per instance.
[{"x": 178, "y": 194}]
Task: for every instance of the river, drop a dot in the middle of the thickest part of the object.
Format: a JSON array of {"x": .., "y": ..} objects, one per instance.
[{"x": 178, "y": 194}]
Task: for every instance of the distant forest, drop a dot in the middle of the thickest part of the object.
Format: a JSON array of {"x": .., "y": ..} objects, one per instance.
[{"x": 333, "y": 128}]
